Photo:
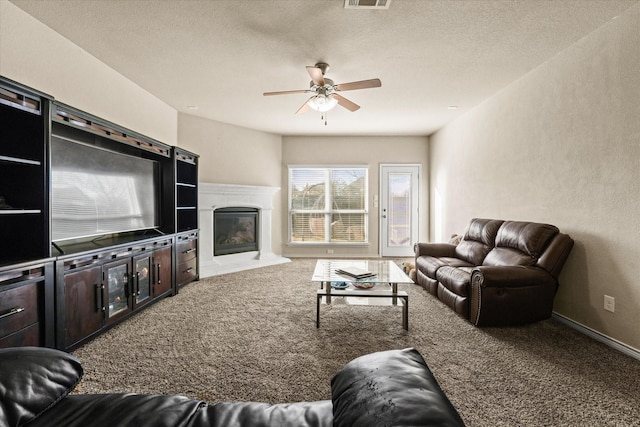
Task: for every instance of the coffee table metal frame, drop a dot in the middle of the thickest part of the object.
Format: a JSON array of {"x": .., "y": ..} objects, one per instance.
[{"x": 386, "y": 273}]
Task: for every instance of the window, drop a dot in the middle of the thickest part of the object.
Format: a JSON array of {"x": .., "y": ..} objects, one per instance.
[{"x": 328, "y": 205}]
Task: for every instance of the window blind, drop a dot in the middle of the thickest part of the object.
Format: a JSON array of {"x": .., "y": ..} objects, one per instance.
[{"x": 328, "y": 205}]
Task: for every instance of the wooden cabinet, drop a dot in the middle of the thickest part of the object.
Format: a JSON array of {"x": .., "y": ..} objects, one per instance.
[
  {"x": 60, "y": 288},
  {"x": 162, "y": 271},
  {"x": 26, "y": 305},
  {"x": 83, "y": 303},
  {"x": 186, "y": 172},
  {"x": 23, "y": 167},
  {"x": 186, "y": 258},
  {"x": 186, "y": 178},
  {"x": 100, "y": 289}
]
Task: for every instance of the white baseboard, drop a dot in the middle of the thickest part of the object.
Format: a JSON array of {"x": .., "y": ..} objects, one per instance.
[{"x": 617, "y": 345}]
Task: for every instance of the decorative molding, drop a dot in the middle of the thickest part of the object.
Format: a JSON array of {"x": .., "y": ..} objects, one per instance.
[
  {"x": 608, "y": 341},
  {"x": 213, "y": 196}
]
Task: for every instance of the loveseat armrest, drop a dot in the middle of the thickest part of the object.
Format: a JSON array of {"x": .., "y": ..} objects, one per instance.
[
  {"x": 434, "y": 249},
  {"x": 511, "y": 276},
  {"x": 510, "y": 295}
]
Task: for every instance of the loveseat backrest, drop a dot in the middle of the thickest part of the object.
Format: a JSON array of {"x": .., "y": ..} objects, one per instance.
[
  {"x": 520, "y": 243},
  {"x": 479, "y": 238}
]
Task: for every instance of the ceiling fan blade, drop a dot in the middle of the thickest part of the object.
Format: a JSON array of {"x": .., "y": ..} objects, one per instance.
[
  {"x": 304, "y": 107},
  {"x": 344, "y": 102},
  {"x": 285, "y": 92},
  {"x": 363, "y": 84},
  {"x": 316, "y": 75}
]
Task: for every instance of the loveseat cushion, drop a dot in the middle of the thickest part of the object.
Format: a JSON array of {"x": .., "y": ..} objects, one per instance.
[
  {"x": 429, "y": 265},
  {"x": 390, "y": 388},
  {"x": 520, "y": 243},
  {"x": 457, "y": 280},
  {"x": 33, "y": 379},
  {"x": 478, "y": 240}
]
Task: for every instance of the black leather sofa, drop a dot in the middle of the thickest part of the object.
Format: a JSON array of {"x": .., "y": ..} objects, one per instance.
[{"x": 389, "y": 388}]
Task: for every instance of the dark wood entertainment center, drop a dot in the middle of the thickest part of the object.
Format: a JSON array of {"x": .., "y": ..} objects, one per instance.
[{"x": 61, "y": 293}]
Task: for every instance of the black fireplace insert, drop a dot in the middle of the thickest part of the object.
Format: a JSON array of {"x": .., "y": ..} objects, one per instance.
[{"x": 235, "y": 230}]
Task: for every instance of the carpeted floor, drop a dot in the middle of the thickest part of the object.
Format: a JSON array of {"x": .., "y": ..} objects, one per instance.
[{"x": 252, "y": 336}]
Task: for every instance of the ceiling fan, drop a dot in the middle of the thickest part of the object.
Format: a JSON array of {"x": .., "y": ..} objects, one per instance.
[{"x": 325, "y": 91}]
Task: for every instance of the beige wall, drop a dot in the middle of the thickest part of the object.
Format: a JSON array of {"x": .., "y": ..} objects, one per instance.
[
  {"x": 34, "y": 55},
  {"x": 235, "y": 155},
  {"x": 561, "y": 145},
  {"x": 360, "y": 150}
]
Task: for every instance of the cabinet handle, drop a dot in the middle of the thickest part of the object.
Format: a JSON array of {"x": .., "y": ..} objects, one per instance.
[
  {"x": 188, "y": 270},
  {"x": 11, "y": 312},
  {"x": 98, "y": 296},
  {"x": 136, "y": 290},
  {"x": 158, "y": 278},
  {"x": 128, "y": 289},
  {"x": 188, "y": 251}
]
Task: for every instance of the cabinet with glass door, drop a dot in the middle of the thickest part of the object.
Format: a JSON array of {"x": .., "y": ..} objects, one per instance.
[{"x": 102, "y": 288}]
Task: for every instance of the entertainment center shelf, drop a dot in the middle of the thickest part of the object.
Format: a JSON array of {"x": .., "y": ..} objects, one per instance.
[{"x": 98, "y": 221}]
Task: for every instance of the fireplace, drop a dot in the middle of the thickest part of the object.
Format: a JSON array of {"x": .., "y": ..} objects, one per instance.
[
  {"x": 235, "y": 230},
  {"x": 243, "y": 202}
]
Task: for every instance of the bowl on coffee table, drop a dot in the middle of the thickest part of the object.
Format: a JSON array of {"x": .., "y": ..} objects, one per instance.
[{"x": 363, "y": 285}]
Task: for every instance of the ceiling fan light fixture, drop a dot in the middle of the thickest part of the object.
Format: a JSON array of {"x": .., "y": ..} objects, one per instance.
[{"x": 322, "y": 102}]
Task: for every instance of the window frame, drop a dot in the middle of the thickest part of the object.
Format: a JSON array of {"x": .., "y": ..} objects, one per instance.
[{"x": 328, "y": 213}]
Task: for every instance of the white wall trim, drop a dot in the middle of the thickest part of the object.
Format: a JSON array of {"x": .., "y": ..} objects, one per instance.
[
  {"x": 617, "y": 345},
  {"x": 213, "y": 196}
]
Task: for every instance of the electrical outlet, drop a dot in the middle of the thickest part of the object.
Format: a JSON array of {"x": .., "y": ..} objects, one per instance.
[
  {"x": 329, "y": 251},
  {"x": 609, "y": 303}
]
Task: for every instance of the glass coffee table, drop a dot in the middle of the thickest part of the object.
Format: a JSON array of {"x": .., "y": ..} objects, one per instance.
[{"x": 382, "y": 286}]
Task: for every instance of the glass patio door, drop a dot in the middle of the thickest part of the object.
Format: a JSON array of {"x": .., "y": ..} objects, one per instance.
[{"x": 399, "y": 202}]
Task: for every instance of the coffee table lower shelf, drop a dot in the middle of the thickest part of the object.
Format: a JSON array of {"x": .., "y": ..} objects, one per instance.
[{"x": 400, "y": 295}]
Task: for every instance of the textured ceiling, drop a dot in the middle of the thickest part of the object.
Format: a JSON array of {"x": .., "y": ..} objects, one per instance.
[{"x": 222, "y": 55}]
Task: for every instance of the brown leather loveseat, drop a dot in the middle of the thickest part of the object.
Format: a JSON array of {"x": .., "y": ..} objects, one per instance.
[{"x": 501, "y": 272}]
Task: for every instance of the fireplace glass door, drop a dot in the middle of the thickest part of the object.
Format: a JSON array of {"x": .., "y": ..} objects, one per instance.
[{"x": 235, "y": 230}]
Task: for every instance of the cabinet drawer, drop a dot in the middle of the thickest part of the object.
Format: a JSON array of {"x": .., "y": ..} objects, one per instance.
[
  {"x": 187, "y": 250},
  {"x": 186, "y": 271},
  {"x": 18, "y": 308},
  {"x": 29, "y": 336}
]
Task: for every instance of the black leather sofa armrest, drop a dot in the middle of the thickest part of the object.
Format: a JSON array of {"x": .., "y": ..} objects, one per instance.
[
  {"x": 510, "y": 277},
  {"x": 390, "y": 388},
  {"x": 32, "y": 380},
  {"x": 434, "y": 249}
]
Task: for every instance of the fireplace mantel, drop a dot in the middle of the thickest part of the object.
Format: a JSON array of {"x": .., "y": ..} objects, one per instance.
[{"x": 213, "y": 196}]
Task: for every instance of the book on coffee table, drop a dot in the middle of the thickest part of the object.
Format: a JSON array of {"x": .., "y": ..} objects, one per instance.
[{"x": 355, "y": 272}]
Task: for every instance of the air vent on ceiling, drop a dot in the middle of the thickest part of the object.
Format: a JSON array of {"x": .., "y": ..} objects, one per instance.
[{"x": 366, "y": 4}]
